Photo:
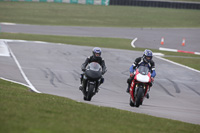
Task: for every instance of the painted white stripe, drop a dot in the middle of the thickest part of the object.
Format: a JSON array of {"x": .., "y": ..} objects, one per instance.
[
  {"x": 4, "y": 23},
  {"x": 8, "y": 40},
  {"x": 168, "y": 49},
  {"x": 39, "y": 42},
  {"x": 197, "y": 53},
  {"x": 158, "y": 54},
  {"x": 3, "y": 49},
  {"x": 177, "y": 64},
  {"x": 132, "y": 43},
  {"x": 22, "y": 72},
  {"x": 175, "y": 50},
  {"x": 15, "y": 82}
]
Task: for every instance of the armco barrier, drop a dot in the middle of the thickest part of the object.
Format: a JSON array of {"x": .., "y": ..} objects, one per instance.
[
  {"x": 90, "y": 2},
  {"x": 149, "y": 3}
]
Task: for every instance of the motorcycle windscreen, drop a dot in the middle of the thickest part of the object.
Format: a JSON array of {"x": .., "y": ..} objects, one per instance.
[
  {"x": 93, "y": 71},
  {"x": 144, "y": 70},
  {"x": 94, "y": 66}
]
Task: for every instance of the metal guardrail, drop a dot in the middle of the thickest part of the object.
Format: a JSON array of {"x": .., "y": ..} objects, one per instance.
[{"x": 165, "y": 4}]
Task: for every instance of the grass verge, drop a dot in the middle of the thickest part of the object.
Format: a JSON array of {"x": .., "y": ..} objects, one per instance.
[
  {"x": 191, "y": 62},
  {"x": 40, "y": 13},
  {"x": 24, "y": 111}
]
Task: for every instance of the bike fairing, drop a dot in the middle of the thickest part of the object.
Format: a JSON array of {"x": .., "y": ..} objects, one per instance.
[
  {"x": 139, "y": 86},
  {"x": 94, "y": 59},
  {"x": 91, "y": 80}
]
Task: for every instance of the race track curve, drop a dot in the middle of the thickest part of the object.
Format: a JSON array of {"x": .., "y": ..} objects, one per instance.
[
  {"x": 147, "y": 37},
  {"x": 55, "y": 69}
]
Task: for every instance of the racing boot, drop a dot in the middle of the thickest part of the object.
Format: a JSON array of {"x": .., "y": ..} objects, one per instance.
[
  {"x": 97, "y": 90},
  {"x": 81, "y": 87},
  {"x": 101, "y": 82},
  {"x": 147, "y": 95},
  {"x": 128, "y": 89},
  {"x": 81, "y": 79}
]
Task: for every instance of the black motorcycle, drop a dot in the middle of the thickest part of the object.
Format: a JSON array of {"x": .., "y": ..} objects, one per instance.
[{"x": 91, "y": 80}]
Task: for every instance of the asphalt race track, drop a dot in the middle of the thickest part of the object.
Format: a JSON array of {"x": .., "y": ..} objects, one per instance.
[
  {"x": 147, "y": 37},
  {"x": 55, "y": 69}
]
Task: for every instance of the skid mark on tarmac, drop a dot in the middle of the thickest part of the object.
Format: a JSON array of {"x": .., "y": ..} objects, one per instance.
[
  {"x": 126, "y": 73},
  {"x": 53, "y": 78},
  {"x": 175, "y": 86},
  {"x": 192, "y": 89},
  {"x": 165, "y": 90}
]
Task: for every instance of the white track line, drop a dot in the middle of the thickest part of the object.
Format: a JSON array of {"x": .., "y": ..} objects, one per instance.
[
  {"x": 177, "y": 64},
  {"x": 22, "y": 72},
  {"x": 4, "y": 49},
  {"x": 5, "y": 23},
  {"x": 181, "y": 51},
  {"x": 15, "y": 82},
  {"x": 132, "y": 43}
]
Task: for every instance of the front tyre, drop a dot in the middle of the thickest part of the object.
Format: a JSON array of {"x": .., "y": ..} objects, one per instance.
[
  {"x": 139, "y": 96},
  {"x": 90, "y": 93}
]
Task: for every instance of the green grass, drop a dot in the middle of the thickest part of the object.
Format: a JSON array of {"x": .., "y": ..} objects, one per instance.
[
  {"x": 116, "y": 43},
  {"x": 25, "y": 112},
  {"x": 83, "y": 41},
  {"x": 88, "y": 15},
  {"x": 191, "y": 62}
]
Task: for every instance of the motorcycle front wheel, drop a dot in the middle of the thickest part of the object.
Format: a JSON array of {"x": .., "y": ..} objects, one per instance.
[
  {"x": 139, "y": 96},
  {"x": 90, "y": 92}
]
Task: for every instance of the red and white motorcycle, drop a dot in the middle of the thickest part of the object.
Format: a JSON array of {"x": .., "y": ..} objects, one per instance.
[{"x": 140, "y": 86}]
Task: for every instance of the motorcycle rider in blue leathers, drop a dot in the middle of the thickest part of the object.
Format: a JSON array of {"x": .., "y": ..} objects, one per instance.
[
  {"x": 96, "y": 57},
  {"x": 145, "y": 60}
]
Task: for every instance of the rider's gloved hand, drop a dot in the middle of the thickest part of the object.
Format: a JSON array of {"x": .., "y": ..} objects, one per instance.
[
  {"x": 131, "y": 74},
  {"x": 103, "y": 72},
  {"x": 152, "y": 79}
]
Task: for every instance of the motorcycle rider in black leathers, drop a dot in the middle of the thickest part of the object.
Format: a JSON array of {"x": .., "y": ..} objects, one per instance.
[
  {"x": 145, "y": 60},
  {"x": 96, "y": 57}
]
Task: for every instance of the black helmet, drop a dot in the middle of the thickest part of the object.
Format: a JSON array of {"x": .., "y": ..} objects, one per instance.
[
  {"x": 147, "y": 56},
  {"x": 96, "y": 52}
]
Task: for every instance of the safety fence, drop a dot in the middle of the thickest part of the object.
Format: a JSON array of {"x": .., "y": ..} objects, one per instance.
[
  {"x": 89, "y": 2},
  {"x": 156, "y": 3}
]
